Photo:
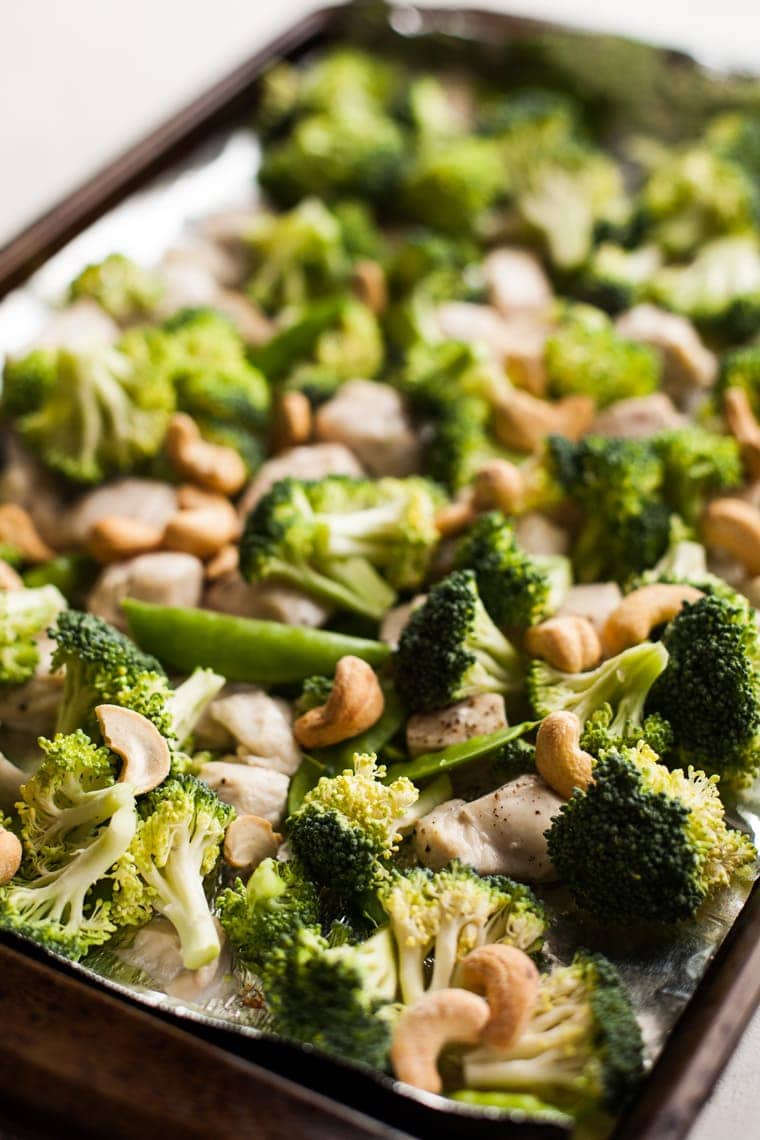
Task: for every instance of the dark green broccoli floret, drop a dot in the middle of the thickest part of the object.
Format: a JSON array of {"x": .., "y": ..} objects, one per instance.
[
  {"x": 452, "y": 182},
  {"x": 719, "y": 290},
  {"x": 529, "y": 123},
  {"x": 582, "y": 1046},
  {"x": 697, "y": 463},
  {"x": 588, "y": 357},
  {"x": 643, "y": 843},
  {"x": 603, "y": 730},
  {"x": 125, "y": 290},
  {"x": 450, "y": 649},
  {"x": 24, "y": 616},
  {"x": 710, "y": 690},
  {"x": 314, "y": 692},
  {"x": 517, "y": 589},
  {"x": 28, "y": 380}
]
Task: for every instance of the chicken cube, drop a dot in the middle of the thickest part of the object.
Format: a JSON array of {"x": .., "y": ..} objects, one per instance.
[
  {"x": 372, "y": 421},
  {"x": 474, "y": 716}
]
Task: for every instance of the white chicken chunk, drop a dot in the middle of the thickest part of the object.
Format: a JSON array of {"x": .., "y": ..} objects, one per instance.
[
  {"x": 500, "y": 833},
  {"x": 516, "y": 281},
  {"x": 372, "y": 421},
  {"x": 595, "y": 601},
  {"x": 638, "y": 417},
  {"x": 395, "y": 621},
  {"x": 148, "y": 500},
  {"x": 688, "y": 364},
  {"x": 475, "y": 716},
  {"x": 309, "y": 462},
  {"x": 516, "y": 342},
  {"x": 250, "y": 788},
  {"x": 269, "y": 601},
  {"x": 25, "y": 482},
  {"x": 82, "y": 324},
  {"x": 155, "y": 952},
  {"x": 262, "y": 727},
  {"x": 537, "y": 534},
  {"x": 31, "y": 709},
  {"x": 165, "y": 578}
]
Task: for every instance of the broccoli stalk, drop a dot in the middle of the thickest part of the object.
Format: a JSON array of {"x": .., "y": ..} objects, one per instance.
[
  {"x": 188, "y": 701},
  {"x": 24, "y": 616}
]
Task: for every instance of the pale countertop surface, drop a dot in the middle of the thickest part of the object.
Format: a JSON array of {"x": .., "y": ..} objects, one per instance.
[{"x": 81, "y": 80}]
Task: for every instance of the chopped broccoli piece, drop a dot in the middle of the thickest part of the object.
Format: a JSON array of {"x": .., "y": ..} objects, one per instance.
[
  {"x": 603, "y": 730},
  {"x": 643, "y": 843},
  {"x": 450, "y": 649},
  {"x": 24, "y": 616},
  {"x": 125, "y": 290},
  {"x": 28, "y": 380},
  {"x": 451, "y": 183},
  {"x": 719, "y": 290},
  {"x": 582, "y": 1045},
  {"x": 187, "y": 703},
  {"x": 592, "y": 359},
  {"x": 697, "y": 463},
  {"x": 339, "y": 336},
  {"x": 314, "y": 692},
  {"x": 740, "y": 369},
  {"x": 615, "y": 278},
  {"x": 736, "y": 136}
]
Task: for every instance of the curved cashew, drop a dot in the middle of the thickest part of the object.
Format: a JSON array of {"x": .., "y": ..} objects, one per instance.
[
  {"x": 455, "y": 517},
  {"x": 116, "y": 538},
  {"x": 641, "y": 611},
  {"x": 560, "y": 760},
  {"x": 203, "y": 530},
  {"x": 509, "y": 981},
  {"x": 499, "y": 485},
  {"x": 744, "y": 427},
  {"x": 249, "y": 840},
  {"x": 437, "y": 1019},
  {"x": 9, "y": 579},
  {"x": 223, "y": 562},
  {"x": 10, "y": 855},
  {"x": 139, "y": 743},
  {"x": 213, "y": 466},
  {"x": 292, "y": 421},
  {"x": 569, "y": 643},
  {"x": 18, "y": 530},
  {"x": 356, "y": 702},
  {"x": 522, "y": 421},
  {"x": 734, "y": 526}
]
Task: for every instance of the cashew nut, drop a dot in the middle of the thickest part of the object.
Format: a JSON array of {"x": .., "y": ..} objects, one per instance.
[
  {"x": 213, "y": 466},
  {"x": 9, "y": 579},
  {"x": 356, "y": 702},
  {"x": 10, "y": 855},
  {"x": 223, "y": 562},
  {"x": 509, "y": 981},
  {"x": 569, "y": 643},
  {"x": 139, "y": 743},
  {"x": 292, "y": 421},
  {"x": 499, "y": 485},
  {"x": 18, "y": 530},
  {"x": 249, "y": 840},
  {"x": 560, "y": 760},
  {"x": 522, "y": 421},
  {"x": 437, "y": 1019},
  {"x": 116, "y": 538},
  {"x": 734, "y": 525},
  {"x": 190, "y": 498},
  {"x": 369, "y": 285},
  {"x": 455, "y": 517},
  {"x": 202, "y": 531},
  {"x": 641, "y": 611},
  {"x": 744, "y": 427}
]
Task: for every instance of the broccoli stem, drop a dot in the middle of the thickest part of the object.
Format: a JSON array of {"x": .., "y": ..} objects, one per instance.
[{"x": 182, "y": 899}]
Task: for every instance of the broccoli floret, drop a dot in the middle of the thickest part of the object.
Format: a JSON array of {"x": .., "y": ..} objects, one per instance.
[
  {"x": 314, "y": 692},
  {"x": 76, "y": 824},
  {"x": 589, "y": 357},
  {"x": 339, "y": 336},
  {"x": 736, "y": 136},
  {"x": 614, "y": 278},
  {"x": 125, "y": 290},
  {"x": 530, "y": 123},
  {"x": 450, "y": 649},
  {"x": 104, "y": 414},
  {"x": 621, "y": 683},
  {"x": 643, "y": 843},
  {"x": 450, "y": 912},
  {"x": 267, "y": 912},
  {"x": 451, "y": 183},
  {"x": 335, "y": 538},
  {"x": 719, "y": 290},
  {"x": 517, "y": 589},
  {"x": 28, "y": 380},
  {"x": 603, "y": 730},
  {"x": 710, "y": 690},
  {"x": 102, "y": 666},
  {"x": 177, "y": 843},
  {"x": 349, "y": 825},
  {"x": 581, "y": 1047},
  {"x": 24, "y": 615},
  {"x": 740, "y": 369},
  {"x": 697, "y": 463},
  {"x": 695, "y": 196}
]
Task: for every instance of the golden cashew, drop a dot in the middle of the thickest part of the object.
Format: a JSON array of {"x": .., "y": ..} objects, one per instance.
[
  {"x": 17, "y": 529},
  {"x": 356, "y": 702},
  {"x": 224, "y": 562},
  {"x": 437, "y": 1019},
  {"x": 138, "y": 742},
  {"x": 522, "y": 421},
  {"x": 560, "y": 760},
  {"x": 115, "y": 538},
  {"x": 213, "y": 466},
  {"x": 455, "y": 517},
  {"x": 202, "y": 531},
  {"x": 498, "y": 485},
  {"x": 509, "y": 980},
  {"x": 641, "y": 611},
  {"x": 10, "y": 855},
  {"x": 369, "y": 284},
  {"x": 9, "y": 579},
  {"x": 744, "y": 427},
  {"x": 569, "y": 643},
  {"x": 734, "y": 526},
  {"x": 249, "y": 840},
  {"x": 293, "y": 421},
  {"x": 190, "y": 497}
]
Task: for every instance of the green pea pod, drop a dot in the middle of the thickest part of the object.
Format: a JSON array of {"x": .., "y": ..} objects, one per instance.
[
  {"x": 307, "y": 777},
  {"x": 433, "y": 763},
  {"x": 241, "y": 649}
]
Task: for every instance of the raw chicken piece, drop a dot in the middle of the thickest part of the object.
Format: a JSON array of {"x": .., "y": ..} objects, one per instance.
[
  {"x": 595, "y": 602},
  {"x": 475, "y": 716},
  {"x": 688, "y": 364},
  {"x": 516, "y": 281},
  {"x": 250, "y": 788},
  {"x": 262, "y": 727},
  {"x": 148, "y": 500},
  {"x": 500, "y": 833},
  {"x": 270, "y": 601},
  {"x": 165, "y": 578},
  {"x": 638, "y": 417},
  {"x": 311, "y": 462},
  {"x": 372, "y": 421}
]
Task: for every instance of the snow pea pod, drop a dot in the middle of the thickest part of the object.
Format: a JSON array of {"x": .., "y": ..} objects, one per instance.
[{"x": 445, "y": 759}]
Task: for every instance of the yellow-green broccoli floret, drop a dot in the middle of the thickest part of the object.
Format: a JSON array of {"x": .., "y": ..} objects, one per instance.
[{"x": 125, "y": 290}]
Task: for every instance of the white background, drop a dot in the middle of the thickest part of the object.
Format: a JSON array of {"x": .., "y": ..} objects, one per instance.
[{"x": 81, "y": 79}]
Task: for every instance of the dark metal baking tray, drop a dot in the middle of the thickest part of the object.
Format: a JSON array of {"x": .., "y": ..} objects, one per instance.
[{"x": 107, "y": 1065}]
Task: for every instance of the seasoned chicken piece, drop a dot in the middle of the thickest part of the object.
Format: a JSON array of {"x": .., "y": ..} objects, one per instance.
[
  {"x": 148, "y": 500},
  {"x": 394, "y": 622},
  {"x": 500, "y": 833},
  {"x": 261, "y": 725},
  {"x": 165, "y": 578},
  {"x": 688, "y": 364},
  {"x": 475, "y": 716},
  {"x": 517, "y": 342},
  {"x": 82, "y": 324},
  {"x": 464, "y": 320},
  {"x": 155, "y": 951},
  {"x": 26, "y": 482},
  {"x": 250, "y": 788},
  {"x": 221, "y": 265},
  {"x": 537, "y": 534},
  {"x": 595, "y": 601},
  {"x": 310, "y": 462},
  {"x": 32, "y": 708},
  {"x": 269, "y": 601},
  {"x": 516, "y": 281},
  {"x": 11, "y": 780},
  {"x": 638, "y": 417},
  {"x": 371, "y": 419}
]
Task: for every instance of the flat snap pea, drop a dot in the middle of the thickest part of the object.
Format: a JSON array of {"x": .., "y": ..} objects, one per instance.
[{"x": 433, "y": 763}]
